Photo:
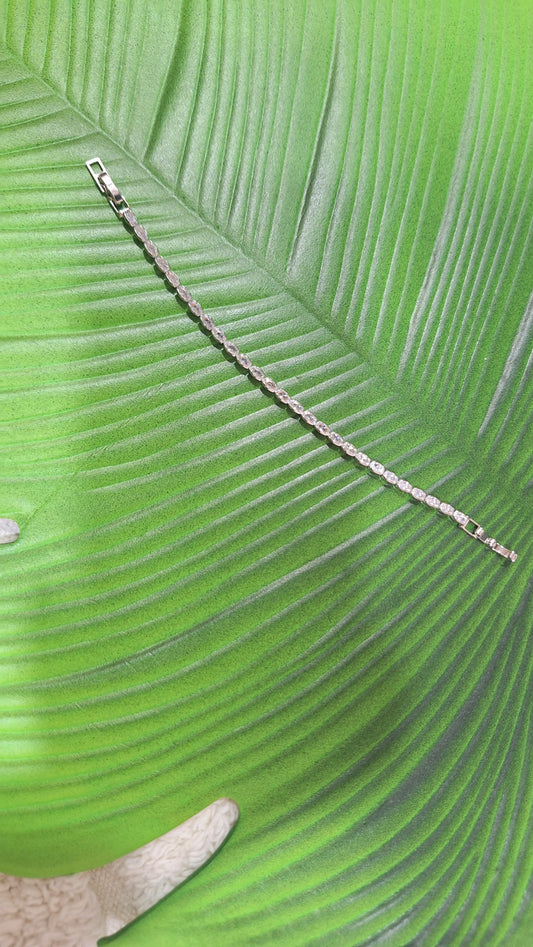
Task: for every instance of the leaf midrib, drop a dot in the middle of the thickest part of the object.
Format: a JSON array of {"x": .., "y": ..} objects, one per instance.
[{"x": 475, "y": 459}]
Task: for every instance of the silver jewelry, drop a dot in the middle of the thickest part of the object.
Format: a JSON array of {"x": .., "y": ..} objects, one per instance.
[{"x": 122, "y": 209}]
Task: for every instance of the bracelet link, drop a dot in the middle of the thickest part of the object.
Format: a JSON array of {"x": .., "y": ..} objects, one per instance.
[
  {"x": 107, "y": 186},
  {"x": 477, "y": 532}
]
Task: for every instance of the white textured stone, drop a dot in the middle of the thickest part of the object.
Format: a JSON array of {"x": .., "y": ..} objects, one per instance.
[
  {"x": 377, "y": 468},
  {"x": 195, "y": 308},
  {"x": 9, "y": 531},
  {"x": 432, "y": 502},
  {"x": 130, "y": 217},
  {"x": 460, "y": 518},
  {"x": 172, "y": 278},
  {"x": 418, "y": 494},
  {"x": 349, "y": 449},
  {"x": 207, "y": 322},
  {"x": 151, "y": 248},
  {"x": 404, "y": 486},
  {"x": 256, "y": 372},
  {"x": 231, "y": 348},
  {"x": 309, "y": 417},
  {"x": 363, "y": 459},
  {"x": 323, "y": 428},
  {"x": 390, "y": 477},
  {"x": 140, "y": 232},
  {"x": 447, "y": 509}
]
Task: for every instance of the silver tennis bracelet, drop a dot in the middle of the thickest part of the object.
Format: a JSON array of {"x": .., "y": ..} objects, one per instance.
[{"x": 122, "y": 209}]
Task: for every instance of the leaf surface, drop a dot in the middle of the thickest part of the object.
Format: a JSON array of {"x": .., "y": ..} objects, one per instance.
[{"x": 206, "y": 600}]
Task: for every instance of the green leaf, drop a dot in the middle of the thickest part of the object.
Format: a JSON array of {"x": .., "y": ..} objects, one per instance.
[{"x": 206, "y": 600}]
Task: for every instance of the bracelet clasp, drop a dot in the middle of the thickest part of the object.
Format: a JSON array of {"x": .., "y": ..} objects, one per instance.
[
  {"x": 477, "y": 532},
  {"x": 107, "y": 186}
]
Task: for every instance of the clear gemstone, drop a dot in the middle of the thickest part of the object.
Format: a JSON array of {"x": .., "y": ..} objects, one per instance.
[
  {"x": 162, "y": 264},
  {"x": 404, "y": 486},
  {"x": 207, "y": 322},
  {"x": 336, "y": 439},
  {"x": 461, "y": 518},
  {"x": 172, "y": 278},
  {"x": 151, "y": 248},
  {"x": 130, "y": 217},
  {"x": 446, "y": 508},
  {"x": 270, "y": 384},
  {"x": 295, "y": 406},
  {"x": 377, "y": 468},
  {"x": 256, "y": 372},
  {"x": 283, "y": 396},
  {"x": 231, "y": 348},
  {"x": 363, "y": 459},
  {"x": 9, "y": 531},
  {"x": 183, "y": 293},
  {"x": 196, "y": 308},
  {"x": 349, "y": 449},
  {"x": 309, "y": 417},
  {"x": 218, "y": 334},
  {"x": 432, "y": 501},
  {"x": 390, "y": 477},
  {"x": 244, "y": 361},
  {"x": 418, "y": 494},
  {"x": 140, "y": 232}
]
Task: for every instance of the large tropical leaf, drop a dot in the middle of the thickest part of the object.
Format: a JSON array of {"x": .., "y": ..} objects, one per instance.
[{"x": 206, "y": 600}]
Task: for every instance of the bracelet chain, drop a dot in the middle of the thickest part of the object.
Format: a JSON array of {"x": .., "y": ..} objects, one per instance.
[{"x": 124, "y": 212}]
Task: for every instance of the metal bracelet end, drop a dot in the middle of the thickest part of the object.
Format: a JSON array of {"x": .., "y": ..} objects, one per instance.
[
  {"x": 477, "y": 532},
  {"x": 107, "y": 186},
  {"x": 95, "y": 174}
]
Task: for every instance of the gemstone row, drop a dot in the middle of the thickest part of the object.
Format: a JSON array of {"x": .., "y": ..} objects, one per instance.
[{"x": 374, "y": 466}]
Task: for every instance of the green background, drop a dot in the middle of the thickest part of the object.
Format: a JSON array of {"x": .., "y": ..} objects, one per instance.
[{"x": 206, "y": 600}]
